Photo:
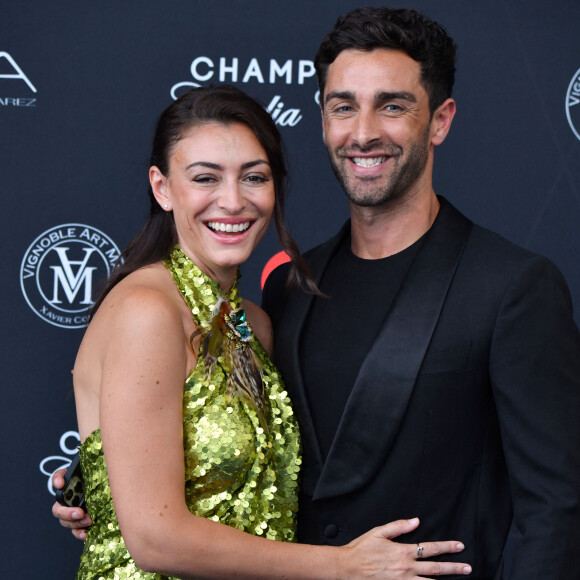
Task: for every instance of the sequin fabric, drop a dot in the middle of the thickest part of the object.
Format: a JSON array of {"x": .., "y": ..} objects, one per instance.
[{"x": 237, "y": 473}]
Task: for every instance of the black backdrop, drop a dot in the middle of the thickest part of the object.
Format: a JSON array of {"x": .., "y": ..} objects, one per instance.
[{"x": 81, "y": 84}]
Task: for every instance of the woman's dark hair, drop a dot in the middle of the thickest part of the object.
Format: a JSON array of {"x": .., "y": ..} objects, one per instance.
[
  {"x": 226, "y": 105},
  {"x": 369, "y": 28}
]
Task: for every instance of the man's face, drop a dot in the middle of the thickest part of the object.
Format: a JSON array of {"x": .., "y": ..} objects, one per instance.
[{"x": 377, "y": 125}]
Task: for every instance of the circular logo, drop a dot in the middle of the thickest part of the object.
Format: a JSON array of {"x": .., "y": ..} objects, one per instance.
[
  {"x": 62, "y": 269},
  {"x": 573, "y": 104}
]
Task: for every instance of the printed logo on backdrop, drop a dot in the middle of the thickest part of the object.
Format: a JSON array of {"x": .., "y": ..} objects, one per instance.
[
  {"x": 15, "y": 86},
  {"x": 61, "y": 271},
  {"x": 573, "y": 104},
  {"x": 53, "y": 463},
  {"x": 204, "y": 69}
]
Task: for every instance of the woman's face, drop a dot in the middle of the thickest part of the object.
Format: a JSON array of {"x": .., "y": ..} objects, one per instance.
[{"x": 220, "y": 189}]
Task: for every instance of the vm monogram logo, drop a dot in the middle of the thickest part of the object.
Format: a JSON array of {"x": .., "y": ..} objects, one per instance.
[
  {"x": 61, "y": 270},
  {"x": 71, "y": 283}
]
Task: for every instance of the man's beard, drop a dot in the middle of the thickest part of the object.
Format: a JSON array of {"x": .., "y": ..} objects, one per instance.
[{"x": 402, "y": 175}]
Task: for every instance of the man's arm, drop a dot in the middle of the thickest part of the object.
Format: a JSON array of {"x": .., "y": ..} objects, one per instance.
[
  {"x": 535, "y": 372},
  {"x": 73, "y": 518}
]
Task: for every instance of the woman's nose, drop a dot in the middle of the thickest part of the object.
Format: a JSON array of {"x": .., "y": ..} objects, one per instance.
[{"x": 231, "y": 198}]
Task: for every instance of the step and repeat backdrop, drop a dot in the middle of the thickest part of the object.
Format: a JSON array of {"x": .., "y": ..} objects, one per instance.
[{"x": 81, "y": 86}]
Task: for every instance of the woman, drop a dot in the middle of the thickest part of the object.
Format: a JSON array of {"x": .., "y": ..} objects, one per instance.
[{"x": 174, "y": 363}]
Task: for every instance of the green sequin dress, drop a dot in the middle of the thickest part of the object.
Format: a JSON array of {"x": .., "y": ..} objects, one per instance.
[{"x": 237, "y": 473}]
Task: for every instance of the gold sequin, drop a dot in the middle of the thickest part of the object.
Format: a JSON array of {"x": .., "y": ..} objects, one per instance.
[{"x": 236, "y": 473}]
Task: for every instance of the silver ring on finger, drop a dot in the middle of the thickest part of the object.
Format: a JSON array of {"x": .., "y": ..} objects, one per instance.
[{"x": 419, "y": 551}]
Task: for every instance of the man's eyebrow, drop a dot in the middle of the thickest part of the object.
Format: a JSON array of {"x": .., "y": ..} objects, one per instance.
[
  {"x": 347, "y": 95},
  {"x": 393, "y": 95},
  {"x": 382, "y": 96}
]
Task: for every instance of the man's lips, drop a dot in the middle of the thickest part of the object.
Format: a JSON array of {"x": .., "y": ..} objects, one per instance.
[{"x": 225, "y": 227}]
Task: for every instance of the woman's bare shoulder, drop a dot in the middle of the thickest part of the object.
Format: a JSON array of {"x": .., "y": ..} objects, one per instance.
[
  {"x": 144, "y": 291},
  {"x": 145, "y": 303}
]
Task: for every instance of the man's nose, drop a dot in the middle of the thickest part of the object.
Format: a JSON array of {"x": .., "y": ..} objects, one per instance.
[{"x": 366, "y": 129}]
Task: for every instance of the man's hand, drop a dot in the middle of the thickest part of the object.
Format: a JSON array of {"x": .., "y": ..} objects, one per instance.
[{"x": 73, "y": 518}]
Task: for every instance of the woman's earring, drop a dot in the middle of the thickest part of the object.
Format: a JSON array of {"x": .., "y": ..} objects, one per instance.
[{"x": 165, "y": 206}]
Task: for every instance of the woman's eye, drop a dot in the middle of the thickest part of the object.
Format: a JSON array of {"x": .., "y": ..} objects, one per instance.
[
  {"x": 257, "y": 179},
  {"x": 204, "y": 179}
]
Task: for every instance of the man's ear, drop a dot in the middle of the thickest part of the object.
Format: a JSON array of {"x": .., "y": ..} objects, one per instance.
[
  {"x": 441, "y": 121},
  {"x": 160, "y": 188}
]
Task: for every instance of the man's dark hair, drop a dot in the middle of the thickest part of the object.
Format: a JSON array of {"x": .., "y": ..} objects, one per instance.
[{"x": 369, "y": 28}]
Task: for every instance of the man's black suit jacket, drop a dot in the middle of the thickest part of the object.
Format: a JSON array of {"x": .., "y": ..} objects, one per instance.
[{"x": 466, "y": 411}]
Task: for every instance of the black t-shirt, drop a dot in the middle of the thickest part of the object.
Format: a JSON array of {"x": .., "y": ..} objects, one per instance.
[{"x": 341, "y": 329}]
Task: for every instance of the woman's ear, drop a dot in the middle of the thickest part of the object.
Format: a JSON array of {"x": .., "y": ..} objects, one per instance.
[{"x": 160, "y": 188}]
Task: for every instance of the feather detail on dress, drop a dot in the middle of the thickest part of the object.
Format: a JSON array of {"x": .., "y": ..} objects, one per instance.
[
  {"x": 213, "y": 337},
  {"x": 228, "y": 336}
]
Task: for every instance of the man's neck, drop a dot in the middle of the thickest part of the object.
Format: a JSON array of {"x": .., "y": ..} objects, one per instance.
[{"x": 379, "y": 232}]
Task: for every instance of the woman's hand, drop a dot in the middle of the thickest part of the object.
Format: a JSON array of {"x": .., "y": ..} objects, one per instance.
[
  {"x": 73, "y": 518},
  {"x": 375, "y": 555}
]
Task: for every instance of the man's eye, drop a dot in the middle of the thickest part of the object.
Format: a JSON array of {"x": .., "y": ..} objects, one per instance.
[{"x": 337, "y": 109}]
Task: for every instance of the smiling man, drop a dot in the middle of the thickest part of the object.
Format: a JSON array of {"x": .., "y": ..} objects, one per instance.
[
  {"x": 439, "y": 376},
  {"x": 378, "y": 140}
]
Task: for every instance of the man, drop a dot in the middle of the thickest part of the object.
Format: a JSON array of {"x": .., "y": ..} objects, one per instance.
[{"x": 439, "y": 376}]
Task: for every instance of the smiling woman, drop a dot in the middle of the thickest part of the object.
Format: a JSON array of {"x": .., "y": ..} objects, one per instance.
[
  {"x": 221, "y": 192},
  {"x": 180, "y": 410},
  {"x": 221, "y": 107}
]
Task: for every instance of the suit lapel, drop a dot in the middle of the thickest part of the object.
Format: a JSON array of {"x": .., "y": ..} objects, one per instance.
[
  {"x": 287, "y": 343},
  {"x": 387, "y": 376}
]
